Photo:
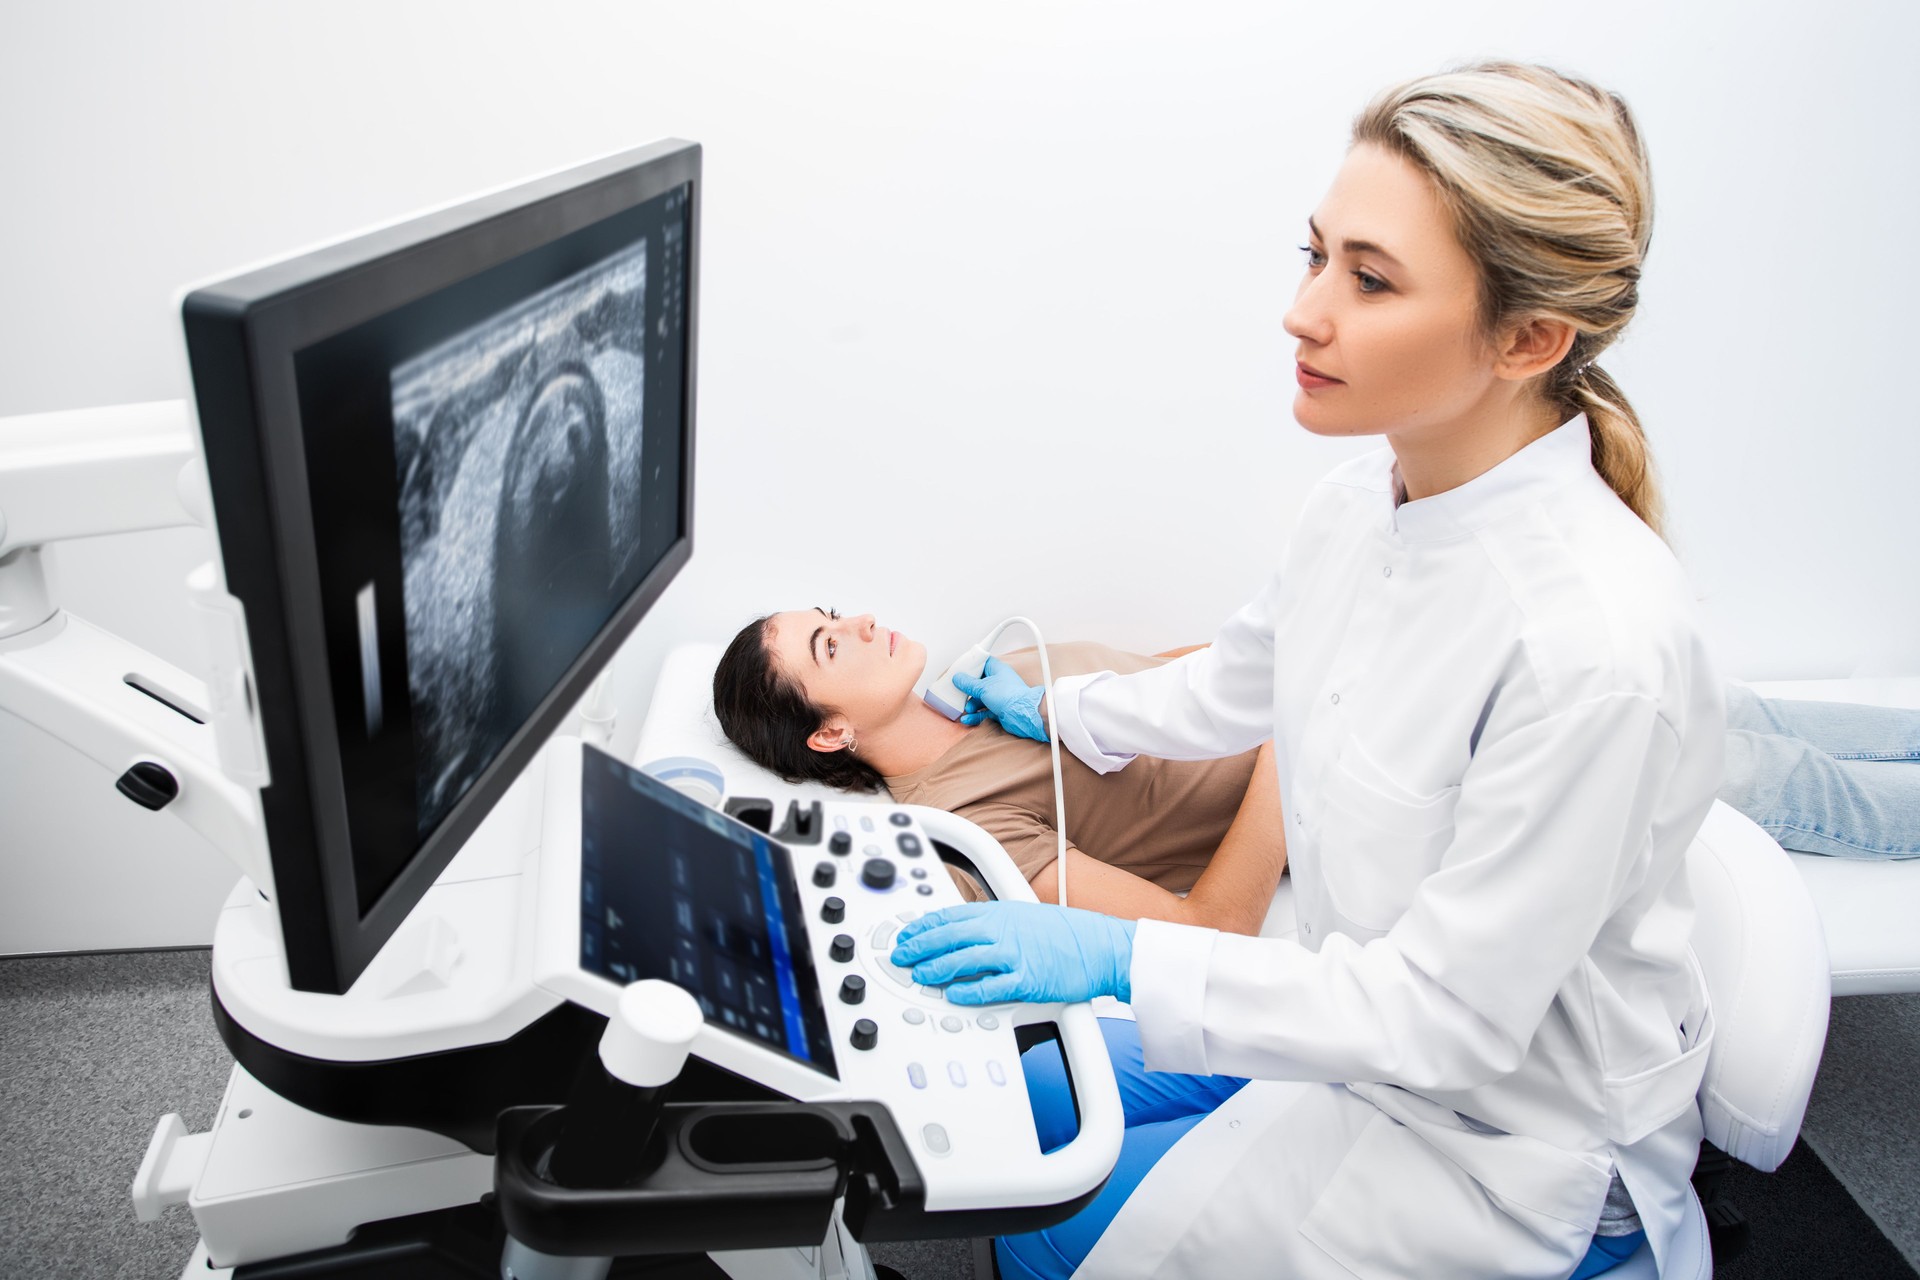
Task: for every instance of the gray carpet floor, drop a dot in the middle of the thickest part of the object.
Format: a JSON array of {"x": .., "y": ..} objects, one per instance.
[{"x": 94, "y": 1049}]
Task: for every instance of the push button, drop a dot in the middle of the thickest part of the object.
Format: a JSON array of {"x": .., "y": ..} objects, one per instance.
[
  {"x": 951, "y": 1023},
  {"x": 988, "y": 1022},
  {"x": 914, "y": 1017},
  {"x": 935, "y": 1136},
  {"x": 957, "y": 1074},
  {"x": 899, "y": 819},
  {"x": 996, "y": 1073},
  {"x": 909, "y": 844},
  {"x": 916, "y": 1075}
]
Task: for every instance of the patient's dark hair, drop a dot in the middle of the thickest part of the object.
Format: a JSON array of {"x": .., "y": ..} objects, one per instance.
[{"x": 768, "y": 716}]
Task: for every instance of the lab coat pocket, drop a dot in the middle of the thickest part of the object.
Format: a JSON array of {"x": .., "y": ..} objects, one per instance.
[
  {"x": 1378, "y": 841},
  {"x": 1446, "y": 1222},
  {"x": 1639, "y": 1103}
]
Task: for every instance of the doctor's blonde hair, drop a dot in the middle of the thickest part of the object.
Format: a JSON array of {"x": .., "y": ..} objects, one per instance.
[{"x": 1547, "y": 183}]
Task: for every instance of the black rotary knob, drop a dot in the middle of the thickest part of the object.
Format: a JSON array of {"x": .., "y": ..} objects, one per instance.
[
  {"x": 823, "y": 874},
  {"x": 865, "y": 1033},
  {"x": 841, "y": 843},
  {"x": 841, "y": 948},
  {"x": 853, "y": 989},
  {"x": 833, "y": 910},
  {"x": 877, "y": 874}
]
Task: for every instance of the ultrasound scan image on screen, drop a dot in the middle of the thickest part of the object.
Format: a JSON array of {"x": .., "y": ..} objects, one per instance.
[{"x": 519, "y": 449}]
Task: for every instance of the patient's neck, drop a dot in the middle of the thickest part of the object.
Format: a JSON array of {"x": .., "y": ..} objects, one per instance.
[{"x": 911, "y": 741}]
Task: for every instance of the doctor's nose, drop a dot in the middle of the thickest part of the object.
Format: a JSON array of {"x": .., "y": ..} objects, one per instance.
[{"x": 1307, "y": 319}]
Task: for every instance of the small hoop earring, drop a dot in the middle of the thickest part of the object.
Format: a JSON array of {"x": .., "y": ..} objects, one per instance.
[{"x": 849, "y": 744}]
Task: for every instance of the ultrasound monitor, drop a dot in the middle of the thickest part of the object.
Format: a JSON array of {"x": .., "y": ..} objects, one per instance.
[{"x": 452, "y": 466}]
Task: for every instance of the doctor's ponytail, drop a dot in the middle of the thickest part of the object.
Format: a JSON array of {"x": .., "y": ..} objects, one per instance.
[{"x": 1547, "y": 183}]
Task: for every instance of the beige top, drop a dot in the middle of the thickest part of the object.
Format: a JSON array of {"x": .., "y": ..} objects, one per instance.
[{"x": 1159, "y": 819}]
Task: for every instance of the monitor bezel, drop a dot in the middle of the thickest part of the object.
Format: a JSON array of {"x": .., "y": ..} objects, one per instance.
[{"x": 242, "y": 337}]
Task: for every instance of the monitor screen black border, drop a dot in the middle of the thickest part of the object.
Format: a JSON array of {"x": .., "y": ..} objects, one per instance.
[{"x": 242, "y": 335}]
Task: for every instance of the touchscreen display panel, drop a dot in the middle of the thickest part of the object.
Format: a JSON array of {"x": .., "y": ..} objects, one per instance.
[{"x": 671, "y": 889}]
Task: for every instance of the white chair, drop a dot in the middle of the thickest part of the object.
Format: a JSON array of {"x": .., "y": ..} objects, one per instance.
[{"x": 1761, "y": 946}]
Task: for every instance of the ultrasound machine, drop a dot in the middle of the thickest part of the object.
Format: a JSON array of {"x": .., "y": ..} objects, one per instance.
[{"x": 501, "y": 1004}]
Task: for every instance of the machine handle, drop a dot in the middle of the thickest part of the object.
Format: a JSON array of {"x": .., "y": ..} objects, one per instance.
[
  {"x": 1090, "y": 1156},
  {"x": 173, "y": 1163}
]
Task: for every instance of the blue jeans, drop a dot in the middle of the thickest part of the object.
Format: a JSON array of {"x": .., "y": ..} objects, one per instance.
[
  {"x": 1160, "y": 1107},
  {"x": 1825, "y": 777}
]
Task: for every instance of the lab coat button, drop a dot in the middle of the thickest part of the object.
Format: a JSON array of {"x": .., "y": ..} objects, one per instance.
[
  {"x": 1336, "y": 699},
  {"x": 936, "y": 1139},
  {"x": 1387, "y": 571}
]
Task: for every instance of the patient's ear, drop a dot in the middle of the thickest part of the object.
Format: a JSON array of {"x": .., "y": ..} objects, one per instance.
[{"x": 832, "y": 736}]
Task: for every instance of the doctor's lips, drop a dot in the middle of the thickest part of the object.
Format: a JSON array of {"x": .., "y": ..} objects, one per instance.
[{"x": 1311, "y": 378}]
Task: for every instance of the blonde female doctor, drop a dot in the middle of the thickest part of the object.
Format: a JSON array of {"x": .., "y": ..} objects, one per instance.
[{"x": 1497, "y": 730}]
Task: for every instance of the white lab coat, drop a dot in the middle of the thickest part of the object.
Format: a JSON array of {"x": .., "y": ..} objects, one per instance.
[{"x": 1497, "y": 730}]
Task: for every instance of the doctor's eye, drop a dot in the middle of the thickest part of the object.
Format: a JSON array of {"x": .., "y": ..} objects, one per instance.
[
  {"x": 1370, "y": 283},
  {"x": 1315, "y": 258},
  {"x": 833, "y": 647}
]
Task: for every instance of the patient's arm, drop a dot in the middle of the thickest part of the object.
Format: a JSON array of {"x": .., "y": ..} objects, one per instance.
[{"x": 1232, "y": 894}]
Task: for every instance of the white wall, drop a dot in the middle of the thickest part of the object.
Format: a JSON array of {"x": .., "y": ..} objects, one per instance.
[{"x": 992, "y": 293}]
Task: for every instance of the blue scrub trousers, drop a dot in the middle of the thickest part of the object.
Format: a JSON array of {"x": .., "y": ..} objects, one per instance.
[{"x": 1161, "y": 1107}]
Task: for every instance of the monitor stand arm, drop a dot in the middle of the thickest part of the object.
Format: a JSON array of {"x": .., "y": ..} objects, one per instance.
[{"x": 170, "y": 741}]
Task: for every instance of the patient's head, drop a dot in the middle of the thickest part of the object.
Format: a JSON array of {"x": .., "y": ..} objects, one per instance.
[{"x": 796, "y": 690}]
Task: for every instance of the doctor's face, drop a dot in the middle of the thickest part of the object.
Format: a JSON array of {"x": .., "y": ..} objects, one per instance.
[
  {"x": 1387, "y": 315},
  {"x": 853, "y": 666}
]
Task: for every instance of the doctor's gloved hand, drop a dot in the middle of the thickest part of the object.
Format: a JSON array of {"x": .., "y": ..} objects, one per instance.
[
  {"x": 998, "y": 951},
  {"x": 1005, "y": 697}
]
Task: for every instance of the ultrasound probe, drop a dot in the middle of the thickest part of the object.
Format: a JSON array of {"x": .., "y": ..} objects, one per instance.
[{"x": 945, "y": 697}]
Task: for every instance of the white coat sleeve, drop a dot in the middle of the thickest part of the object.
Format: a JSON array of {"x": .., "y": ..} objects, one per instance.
[
  {"x": 1552, "y": 830},
  {"x": 1213, "y": 702}
]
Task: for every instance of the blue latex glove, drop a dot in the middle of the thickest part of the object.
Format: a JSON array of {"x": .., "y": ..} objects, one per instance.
[
  {"x": 1002, "y": 694},
  {"x": 998, "y": 951}
]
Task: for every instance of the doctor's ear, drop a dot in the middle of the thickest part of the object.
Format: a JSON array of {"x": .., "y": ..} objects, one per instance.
[
  {"x": 1532, "y": 347},
  {"x": 834, "y": 735}
]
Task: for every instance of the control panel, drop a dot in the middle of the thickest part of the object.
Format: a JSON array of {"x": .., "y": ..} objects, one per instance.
[{"x": 784, "y": 938}]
